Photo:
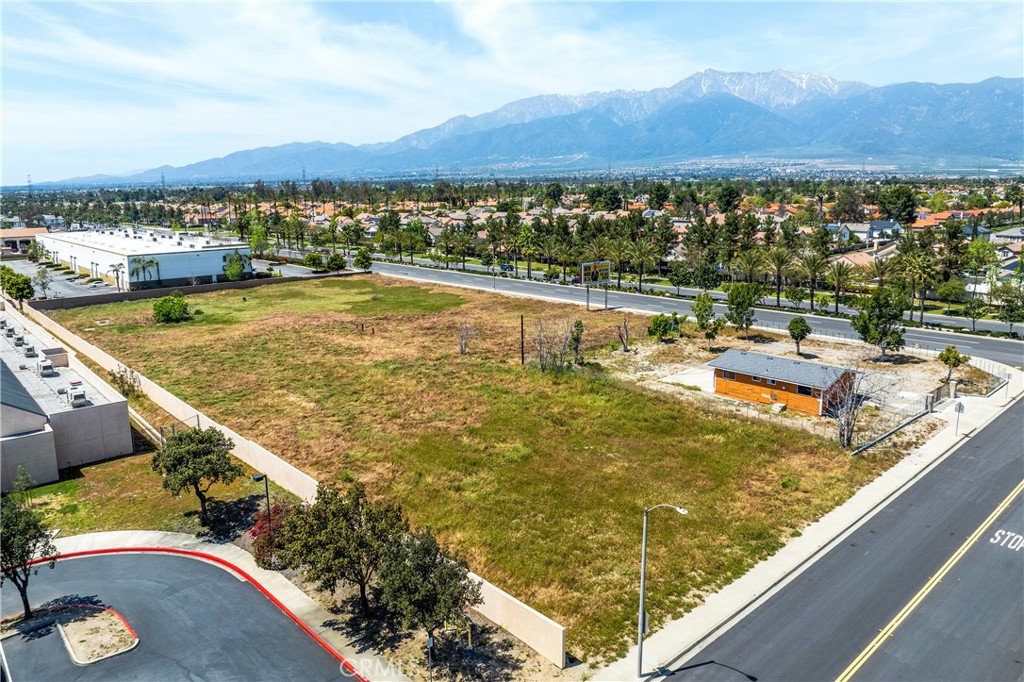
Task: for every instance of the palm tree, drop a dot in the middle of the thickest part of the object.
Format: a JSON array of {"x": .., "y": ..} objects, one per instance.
[
  {"x": 596, "y": 248},
  {"x": 839, "y": 275},
  {"x": 879, "y": 270},
  {"x": 780, "y": 261},
  {"x": 920, "y": 268},
  {"x": 751, "y": 264},
  {"x": 565, "y": 254},
  {"x": 812, "y": 266},
  {"x": 117, "y": 269},
  {"x": 155, "y": 263},
  {"x": 644, "y": 254},
  {"x": 140, "y": 266},
  {"x": 618, "y": 253}
]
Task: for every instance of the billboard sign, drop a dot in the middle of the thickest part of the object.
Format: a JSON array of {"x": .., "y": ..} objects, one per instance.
[{"x": 595, "y": 273}]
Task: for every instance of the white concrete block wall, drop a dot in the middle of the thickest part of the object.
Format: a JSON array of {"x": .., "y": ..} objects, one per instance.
[{"x": 34, "y": 452}]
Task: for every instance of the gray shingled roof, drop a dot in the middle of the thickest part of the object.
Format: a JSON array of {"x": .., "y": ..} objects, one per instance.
[
  {"x": 12, "y": 393},
  {"x": 781, "y": 369}
]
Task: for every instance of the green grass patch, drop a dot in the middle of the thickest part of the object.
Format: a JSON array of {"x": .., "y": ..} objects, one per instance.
[{"x": 538, "y": 480}]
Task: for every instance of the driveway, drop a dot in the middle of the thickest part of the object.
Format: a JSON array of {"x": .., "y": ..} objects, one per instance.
[{"x": 194, "y": 621}]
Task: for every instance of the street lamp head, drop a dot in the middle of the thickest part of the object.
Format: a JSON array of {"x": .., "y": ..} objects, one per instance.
[
  {"x": 258, "y": 477},
  {"x": 681, "y": 511}
]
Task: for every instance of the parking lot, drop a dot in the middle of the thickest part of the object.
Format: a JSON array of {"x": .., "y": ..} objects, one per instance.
[{"x": 61, "y": 286}]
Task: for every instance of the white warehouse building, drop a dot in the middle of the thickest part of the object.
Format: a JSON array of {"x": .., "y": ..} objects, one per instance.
[{"x": 139, "y": 258}]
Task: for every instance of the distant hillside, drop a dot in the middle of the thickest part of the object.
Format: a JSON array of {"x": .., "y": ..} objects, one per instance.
[{"x": 711, "y": 114}]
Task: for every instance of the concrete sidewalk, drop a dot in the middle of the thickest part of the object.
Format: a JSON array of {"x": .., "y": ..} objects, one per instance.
[
  {"x": 721, "y": 610},
  {"x": 367, "y": 663}
]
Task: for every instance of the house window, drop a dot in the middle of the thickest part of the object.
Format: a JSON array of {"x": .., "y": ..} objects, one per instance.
[
  {"x": 756, "y": 380},
  {"x": 771, "y": 382},
  {"x": 726, "y": 374},
  {"x": 804, "y": 390}
]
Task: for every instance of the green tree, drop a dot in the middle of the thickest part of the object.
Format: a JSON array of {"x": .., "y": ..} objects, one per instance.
[
  {"x": 659, "y": 326},
  {"x": 1011, "y": 309},
  {"x": 363, "y": 261},
  {"x": 618, "y": 253},
  {"x": 704, "y": 314},
  {"x": 335, "y": 262},
  {"x": 880, "y": 321},
  {"x": 426, "y": 586},
  {"x": 234, "y": 269},
  {"x": 952, "y": 291},
  {"x": 751, "y": 264},
  {"x": 975, "y": 309},
  {"x": 899, "y": 203},
  {"x": 25, "y": 538},
  {"x": 812, "y": 267},
  {"x": 19, "y": 288},
  {"x": 196, "y": 459},
  {"x": 644, "y": 255},
  {"x": 840, "y": 275},
  {"x": 728, "y": 198},
  {"x": 1015, "y": 195},
  {"x": 740, "y": 303},
  {"x": 920, "y": 269},
  {"x": 678, "y": 276},
  {"x": 780, "y": 262},
  {"x": 799, "y": 330},
  {"x": 259, "y": 242},
  {"x": 796, "y": 295},
  {"x": 343, "y": 539},
  {"x": 952, "y": 358},
  {"x": 849, "y": 206},
  {"x": 42, "y": 280},
  {"x": 313, "y": 260},
  {"x": 658, "y": 195}
]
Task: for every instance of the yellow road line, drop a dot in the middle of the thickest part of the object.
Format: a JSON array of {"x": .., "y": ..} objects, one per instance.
[{"x": 888, "y": 630}]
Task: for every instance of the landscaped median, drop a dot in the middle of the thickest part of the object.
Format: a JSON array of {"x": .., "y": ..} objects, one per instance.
[
  {"x": 538, "y": 480},
  {"x": 90, "y": 632}
]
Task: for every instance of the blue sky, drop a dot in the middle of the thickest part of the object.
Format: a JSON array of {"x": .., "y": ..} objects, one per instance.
[{"x": 108, "y": 88}]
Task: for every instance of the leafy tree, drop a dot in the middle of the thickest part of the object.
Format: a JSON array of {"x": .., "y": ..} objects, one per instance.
[
  {"x": 880, "y": 321},
  {"x": 196, "y": 459},
  {"x": 658, "y": 195},
  {"x": 974, "y": 309},
  {"x": 1011, "y": 310},
  {"x": 728, "y": 198},
  {"x": 234, "y": 269},
  {"x": 799, "y": 330},
  {"x": 18, "y": 287},
  {"x": 953, "y": 359},
  {"x": 26, "y": 537},
  {"x": 313, "y": 260},
  {"x": 704, "y": 314},
  {"x": 740, "y": 302},
  {"x": 171, "y": 309},
  {"x": 899, "y": 203},
  {"x": 849, "y": 206},
  {"x": 363, "y": 261},
  {"x": 335, "y": 262},
  {"x": 796, "y": 295},
  {"x": 952, "y": 291},
  {"x": 705, "y": 277},
  {"x": 343, "y": 538},
  {"x": 678, "y": 276},
  {"x": 425, "y": 585},
  {"x": 1015, "y": 195},
  {"x": 42, "y": 280}
]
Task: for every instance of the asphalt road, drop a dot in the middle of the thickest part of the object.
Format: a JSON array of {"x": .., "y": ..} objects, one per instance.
[
  {"x": 969, "y": 628},
  {"x": 195, "y": 621},
  {"x": 1006, "y": 351}
]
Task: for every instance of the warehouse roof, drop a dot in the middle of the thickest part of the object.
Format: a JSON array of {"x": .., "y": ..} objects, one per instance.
[
  {"x": 14, "y": 394},
  {"x": 129, "y": 241},
  {"x": 781, "y": 369}
]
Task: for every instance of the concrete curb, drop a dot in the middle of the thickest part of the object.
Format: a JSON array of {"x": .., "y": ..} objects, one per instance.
[{"x": 71, "y": 651}]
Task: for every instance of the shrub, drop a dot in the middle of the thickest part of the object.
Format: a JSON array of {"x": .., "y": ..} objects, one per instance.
[
  {"x": 335, "y": 262},
  {"x": 790, "y": 482},
  {"x": 660, "y": 326},
  {"x": 268, "y": 539},
  {"x": 173, "y": 308},
  {"x": 313, "y": 260}
]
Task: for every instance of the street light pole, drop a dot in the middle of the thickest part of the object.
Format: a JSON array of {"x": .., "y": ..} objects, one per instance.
[
  {"x": 641, "y": 626},
  {"x": 266, "y": 489}
]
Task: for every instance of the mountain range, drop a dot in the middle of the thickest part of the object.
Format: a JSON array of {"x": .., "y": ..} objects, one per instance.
[{"x": 710, "y": 115}]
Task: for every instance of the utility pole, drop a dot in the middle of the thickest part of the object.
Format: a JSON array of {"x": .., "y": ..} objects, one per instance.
[{"x": 522, "y": 339}]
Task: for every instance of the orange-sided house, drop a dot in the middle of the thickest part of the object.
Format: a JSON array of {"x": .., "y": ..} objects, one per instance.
[{"x": 806, "y": 387}]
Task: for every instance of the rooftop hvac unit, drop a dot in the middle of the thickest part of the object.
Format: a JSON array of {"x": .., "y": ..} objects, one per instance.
[
  {"x": 19, "y": 340},
  {"x": 30, "y": 352},
  {"x": 46, "y": 369},
  {"x": 9, "y": 332},
  {"x": 3, "y": 323},
  {"x": 77, "y": 397}
]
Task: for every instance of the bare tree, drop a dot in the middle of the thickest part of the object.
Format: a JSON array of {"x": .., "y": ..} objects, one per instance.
[
  {"x": 467, "y": 332},
  {"x": 623, "y": 332},
  {"x": 854, "y": 387}
]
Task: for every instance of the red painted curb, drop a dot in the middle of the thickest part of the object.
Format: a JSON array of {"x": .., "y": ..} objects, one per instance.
[{"x": 220, "y": 562}]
